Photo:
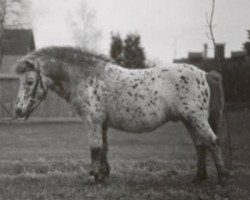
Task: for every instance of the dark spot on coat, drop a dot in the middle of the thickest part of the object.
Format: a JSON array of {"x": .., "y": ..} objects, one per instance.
[
  {"x": 191, "y": 68},
  {"x": 129, "y": 93},
  {"x": 206, "y": 93},
  {"x": 204, "y": 100},
  {"x": 164, "y": 70},
  {"x": 203, "y": 83},
  {"x": 156, "y": 92},
  {"x": 152, "y": 79},
  {"x": 141, "y": 96},
  {"x": 184, "y": 79},
  {"x": 153, "y": 114},
  {"x": 136, "y": 96},
  {"x": 127, "y": 110},
  {"x": 134, "y": 86},
  {"x": 91, "y": 82},
  {"x": 151, "y": 102},
  {"x": 198, "y": 81},
  {"x": 177, "y": 87}
]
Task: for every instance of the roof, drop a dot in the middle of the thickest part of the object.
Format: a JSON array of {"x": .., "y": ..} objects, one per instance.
[
  {"x": 195, "y": 55},
  {"x": 238, "y": 54},
  {"x": 18, "y": 41}
]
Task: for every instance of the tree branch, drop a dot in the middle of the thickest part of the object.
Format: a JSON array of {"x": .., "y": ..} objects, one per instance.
[
  {"x": 211, "y": 26},
  {"x": 210, "y": 23}
]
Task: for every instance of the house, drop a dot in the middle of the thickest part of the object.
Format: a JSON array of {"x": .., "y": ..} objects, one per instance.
[
  {"x": 16, "y": 43},
  {"x": 201, "y": 60},
  {"x": 235, "y": 69}
]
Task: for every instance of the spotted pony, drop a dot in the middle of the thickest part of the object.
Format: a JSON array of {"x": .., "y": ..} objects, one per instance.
[{"x": 106, "y": 95}]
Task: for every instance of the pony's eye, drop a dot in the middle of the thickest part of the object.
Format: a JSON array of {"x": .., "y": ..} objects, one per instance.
[{"x": 29, "y": 82}]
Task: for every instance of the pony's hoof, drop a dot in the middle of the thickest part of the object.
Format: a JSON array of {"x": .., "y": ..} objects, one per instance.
[
  {"x": 98, "y": 177},
  {"x": 223, "y": 177},
  {"x": 198, "y": 179}
]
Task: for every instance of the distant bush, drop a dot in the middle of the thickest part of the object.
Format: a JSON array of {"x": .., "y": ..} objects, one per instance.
[{"x": 128, "y": 52}]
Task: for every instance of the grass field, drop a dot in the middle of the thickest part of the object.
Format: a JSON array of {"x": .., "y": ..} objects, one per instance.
[{"x": 41, "y": 161}]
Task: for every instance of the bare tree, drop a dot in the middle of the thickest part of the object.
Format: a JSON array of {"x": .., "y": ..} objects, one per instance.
[
  {"x": 84, "y": 31},
  {"x": 13, "y": 14},
  {"x": 224, "y": 129}
]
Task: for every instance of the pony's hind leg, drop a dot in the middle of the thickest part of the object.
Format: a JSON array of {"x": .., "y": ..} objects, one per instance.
[
  {"x": 216, "y": 153},
  {"x": 204, "y": 136},
  {"x": 100, "y": 168},
  {"x": 201, "y": 163},
  {"x": 201, "y": 173}
]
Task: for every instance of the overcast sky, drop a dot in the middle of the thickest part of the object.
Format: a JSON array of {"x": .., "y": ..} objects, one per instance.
[{"x": 168, "y": 28}]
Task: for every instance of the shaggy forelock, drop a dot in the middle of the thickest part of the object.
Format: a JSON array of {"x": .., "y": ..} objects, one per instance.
[{"x": 22, "y": 66}]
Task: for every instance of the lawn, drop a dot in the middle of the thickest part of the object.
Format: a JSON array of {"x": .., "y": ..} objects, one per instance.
[{"x": 41, "y": 161}]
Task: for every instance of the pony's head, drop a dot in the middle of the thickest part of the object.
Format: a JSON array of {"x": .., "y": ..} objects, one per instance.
[{"x": 32, "y": 87}]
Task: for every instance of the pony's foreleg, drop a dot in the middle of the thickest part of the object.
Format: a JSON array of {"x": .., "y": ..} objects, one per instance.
[{"x": 98, "y": 150}]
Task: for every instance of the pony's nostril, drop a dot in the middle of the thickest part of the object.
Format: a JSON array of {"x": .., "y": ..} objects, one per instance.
[{"x": 18, "y": 111}]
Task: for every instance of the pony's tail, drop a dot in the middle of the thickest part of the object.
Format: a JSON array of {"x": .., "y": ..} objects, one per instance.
[{"x": 214, "y": 80}]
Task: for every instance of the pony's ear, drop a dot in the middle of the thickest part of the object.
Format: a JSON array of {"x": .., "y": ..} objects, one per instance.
[
  {"x": 34, "y": 65},
  {"x": 29, "y": 64},
  {"x": 23, "y": 66}
]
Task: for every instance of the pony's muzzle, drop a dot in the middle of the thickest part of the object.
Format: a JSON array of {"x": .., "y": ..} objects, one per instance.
[{"x": 18, "y": 111}]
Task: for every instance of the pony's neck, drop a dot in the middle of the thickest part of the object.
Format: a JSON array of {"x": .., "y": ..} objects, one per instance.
[
  {"x": 62, "y": 89},
  {"x": 60, "y": 78}
]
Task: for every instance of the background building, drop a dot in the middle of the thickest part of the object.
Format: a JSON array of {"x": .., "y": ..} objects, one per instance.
[
  {"x": 234, "y": 69},
  {"x": 16, "y": 43}
]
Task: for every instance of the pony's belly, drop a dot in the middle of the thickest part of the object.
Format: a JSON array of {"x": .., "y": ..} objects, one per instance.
[{"x": 138, "y": 124}]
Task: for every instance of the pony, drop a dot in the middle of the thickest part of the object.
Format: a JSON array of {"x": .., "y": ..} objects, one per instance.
[{"x": 135, "y": 100}]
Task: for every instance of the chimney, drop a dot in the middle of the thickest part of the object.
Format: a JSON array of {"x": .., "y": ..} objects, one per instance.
[
  {"x": 219, "y": 51},
  {"x": 205, "y": 50}
]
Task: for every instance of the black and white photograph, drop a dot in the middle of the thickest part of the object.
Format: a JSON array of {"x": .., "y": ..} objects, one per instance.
[{"x": 124, "y": 100}]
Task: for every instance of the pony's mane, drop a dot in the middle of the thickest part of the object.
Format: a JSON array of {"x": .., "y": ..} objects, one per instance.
[{"x": 62, "y": 55}]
